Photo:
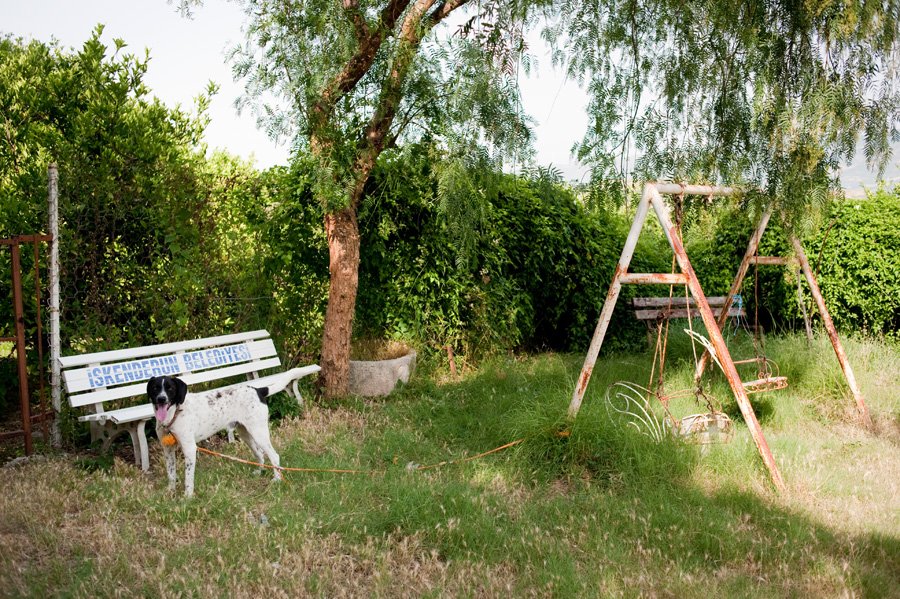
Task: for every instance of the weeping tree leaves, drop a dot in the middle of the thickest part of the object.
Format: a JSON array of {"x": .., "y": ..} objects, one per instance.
[
  {"x": 772, "y": 93},
  {"x": 302, "y": 66}
]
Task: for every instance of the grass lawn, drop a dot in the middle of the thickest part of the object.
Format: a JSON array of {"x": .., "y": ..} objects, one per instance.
[{"x": 602, "y": 512}]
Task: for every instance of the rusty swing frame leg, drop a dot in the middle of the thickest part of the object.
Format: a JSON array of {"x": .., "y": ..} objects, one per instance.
[{"x": 751, "y": 257}]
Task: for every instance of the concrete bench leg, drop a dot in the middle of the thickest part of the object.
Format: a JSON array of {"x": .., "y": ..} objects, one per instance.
[
  {"x": 139, "y": 442},
  {"x": 106, "y": 433},
  {"x": 296, "y": 388}
]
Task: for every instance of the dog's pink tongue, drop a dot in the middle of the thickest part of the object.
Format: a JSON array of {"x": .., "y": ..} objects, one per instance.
[{"x": 161, "y": 413}]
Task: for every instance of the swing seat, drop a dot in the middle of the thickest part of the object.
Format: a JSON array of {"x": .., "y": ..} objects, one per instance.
[
  {"x": 706, "y": 428},
  {"x": 770, "y": 383}
]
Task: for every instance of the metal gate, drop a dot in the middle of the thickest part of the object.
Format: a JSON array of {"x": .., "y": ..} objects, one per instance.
[{"x": 15, "y": 245}]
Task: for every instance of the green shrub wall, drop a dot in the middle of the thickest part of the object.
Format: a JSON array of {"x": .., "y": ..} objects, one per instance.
[
  {"x": 536, "y": 279},
  {"x": 855, "y": 250},
  {"x": 859, "y": 271}
]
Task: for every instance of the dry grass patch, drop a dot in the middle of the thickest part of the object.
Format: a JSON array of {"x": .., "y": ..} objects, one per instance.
[{"x": 317, "y": 430}]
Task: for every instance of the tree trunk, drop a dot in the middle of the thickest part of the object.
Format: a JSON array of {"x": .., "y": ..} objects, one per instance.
[{"x": 342, "y": 230}]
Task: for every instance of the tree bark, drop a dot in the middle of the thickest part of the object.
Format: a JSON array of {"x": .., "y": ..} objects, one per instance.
[
  {"x": 341, "y": 226},
  {"x": 342, "y": 230}
]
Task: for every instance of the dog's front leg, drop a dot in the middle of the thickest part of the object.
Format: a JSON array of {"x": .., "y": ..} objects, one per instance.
[
  {"x": 169, "y": 455},
  {"x": 189, "y": 449},
  {"x": 171, "y": 470}
]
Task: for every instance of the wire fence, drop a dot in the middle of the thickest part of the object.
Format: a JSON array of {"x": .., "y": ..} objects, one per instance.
[{"x": 138, "y": 271}]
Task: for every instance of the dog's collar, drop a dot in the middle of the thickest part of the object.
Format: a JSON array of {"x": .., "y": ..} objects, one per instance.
[{"x": 171, "y": 422}]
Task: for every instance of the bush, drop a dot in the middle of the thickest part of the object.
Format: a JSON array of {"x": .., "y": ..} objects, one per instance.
[
  {"x": 856, "y": 253},
  {"x": 716, "y": 253},
  {"x": 537, "y": 277},
  {"x": 859, "y": 272}
]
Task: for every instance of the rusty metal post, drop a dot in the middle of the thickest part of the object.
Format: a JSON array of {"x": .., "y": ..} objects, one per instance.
[
  {"x": 752, "y": 247},
  {"x": 715, "y": 337},
  {"x": 832, "y": 332},
  {"x": 20, "y": 345},
  {"x": 807, "y": 326},
  {"x": 612, "y": 296},
  {"x": 452, "y": 361}
]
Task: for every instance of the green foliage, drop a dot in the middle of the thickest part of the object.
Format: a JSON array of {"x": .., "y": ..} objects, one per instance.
[
  {"x": 350, "y": 80},
  {"x": 294, "y": 257},
  {"x": 534, "y": 271},
  {"x": 860, "y": 261},
  {"x": 716, "y": 248},
  {"x": 854, "y": 251},
  {"x": 770, "y": 93},
  {"x": 157, "y": 242},
  {"x": 129, "y": 185}
]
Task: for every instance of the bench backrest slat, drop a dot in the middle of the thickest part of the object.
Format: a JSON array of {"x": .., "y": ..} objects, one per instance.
[
  {"x": 654, "y": 313},
  {"x": 120, "y": 374},
  {"x": 142, "y": 369},
  {"x": 119, "y": 355},
  {"x": 139, "y": 389},
  {"x": 677, "y": 301}
]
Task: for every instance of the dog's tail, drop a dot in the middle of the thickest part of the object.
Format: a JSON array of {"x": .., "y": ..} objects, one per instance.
[{"x": 277, "y": 383}]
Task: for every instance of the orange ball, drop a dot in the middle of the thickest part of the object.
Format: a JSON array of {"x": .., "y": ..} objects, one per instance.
[{"x": 169, "y": 440}]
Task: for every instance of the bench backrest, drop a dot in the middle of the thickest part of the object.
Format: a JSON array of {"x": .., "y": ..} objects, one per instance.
[
  {"x": 651, "y": 308},
  {"x": 120, "y": 374}
]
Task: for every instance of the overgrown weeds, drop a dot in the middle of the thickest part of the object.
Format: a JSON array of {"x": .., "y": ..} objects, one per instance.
[{"x": 599, "y": 510}]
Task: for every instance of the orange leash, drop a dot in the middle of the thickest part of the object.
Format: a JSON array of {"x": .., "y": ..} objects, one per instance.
[
  {"x": 345, "y": 471},
  {"x": 470, "y": 458},
  {"x": 283, "y": 468}
]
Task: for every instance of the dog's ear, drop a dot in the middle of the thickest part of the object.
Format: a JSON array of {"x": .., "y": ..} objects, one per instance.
[
  {"x": 181, "y": 390},
  {"x": 152, "y": 384}
]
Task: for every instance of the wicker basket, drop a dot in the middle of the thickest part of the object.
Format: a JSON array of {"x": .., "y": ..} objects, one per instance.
[{"x": 712, "y": 427}]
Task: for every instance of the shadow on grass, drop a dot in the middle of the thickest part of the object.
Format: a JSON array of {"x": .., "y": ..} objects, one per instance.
[{"x": 599, "y": 510}]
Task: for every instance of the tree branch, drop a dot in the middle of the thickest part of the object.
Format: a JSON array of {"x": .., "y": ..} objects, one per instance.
[
  {"x": 445, "y": 8},
  {"x": 360, "y": 63},
  {"x": 376, "y": 135},
  {"x": 409, "y": 30},
  {"x": 360, "y": 26}
]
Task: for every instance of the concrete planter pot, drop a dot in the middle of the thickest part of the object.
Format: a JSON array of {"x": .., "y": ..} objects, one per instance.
[{"x": 378, "y": 378}]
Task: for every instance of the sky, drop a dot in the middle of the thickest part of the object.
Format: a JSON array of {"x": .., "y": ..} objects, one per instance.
[{"x": 185, "y": 54}]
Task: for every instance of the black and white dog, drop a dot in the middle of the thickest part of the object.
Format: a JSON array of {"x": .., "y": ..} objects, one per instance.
[{"x": 193, "y": 417}]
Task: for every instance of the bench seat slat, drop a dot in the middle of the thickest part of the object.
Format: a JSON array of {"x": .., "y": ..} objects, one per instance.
[
  {"x": 122, "y": 416},
  {"x": 92, "y": 397},
  {"x": 145, "y": 411},
  {"x": 156, "y": 350},
  {"x": 78, "y": 379},
  {"x": 279, "y": 380},
  {"x": 653, "y": 314}
]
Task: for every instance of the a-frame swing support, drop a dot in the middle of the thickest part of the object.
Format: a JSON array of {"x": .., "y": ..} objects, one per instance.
[
  {"x": 751, "y": 257},
  {"x": 652, "y": 196}
]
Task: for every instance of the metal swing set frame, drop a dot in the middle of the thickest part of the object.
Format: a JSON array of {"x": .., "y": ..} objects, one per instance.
[{"x": 652, "y": 197}]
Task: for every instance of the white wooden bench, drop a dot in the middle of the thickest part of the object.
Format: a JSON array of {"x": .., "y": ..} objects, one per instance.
[
  {"x": 117, "y": 376},
  {"x": 653, "y": 308}
]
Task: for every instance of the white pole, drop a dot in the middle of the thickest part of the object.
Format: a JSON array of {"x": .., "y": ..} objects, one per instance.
[{"x": 55, "y": 350}]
